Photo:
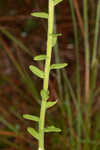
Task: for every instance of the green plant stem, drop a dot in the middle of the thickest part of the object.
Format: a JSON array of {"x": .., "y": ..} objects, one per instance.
[
  {"x": 94, "y": 63},
  {"x": 87, "y": 75},
  {"x": 87, "y": 55},
  {"x": 94, "y": 69},
  {"x": 70, "y": 117},
  {"x": 96, "y": 34},
  {"x": 47, "y": 72},
  {"x": 77, "y": 50},
  {"x": 79, "y": 115},
  {"x": 60, "y": 88},
  {"x": 57, "y": 59}
]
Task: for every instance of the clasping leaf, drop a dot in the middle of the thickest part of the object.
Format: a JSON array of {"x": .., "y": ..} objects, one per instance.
[
  {"x": 37, "y": 71},
  {"x": 58, "y": 66},
  {"x": 40, "y": 57},
  {"x": 31, "y": 117},
  {"x": 40, "y": 15},
  {"x": 44, "y": 94},
  {"x": 57, "y": 2},
  {"x": 55, "y": 38},
  {"x": 52, "y": 129},
  {"x": 33, "y": 132},
  {"x": 50, "y": 104}
]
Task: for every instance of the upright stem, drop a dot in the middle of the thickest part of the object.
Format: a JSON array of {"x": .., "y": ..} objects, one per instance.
[
  {"x": 87, "y": 75},
  {"x": 87, "y": 55},
  {"x": 57, "y": 59},
  {"x": 94, "y": 63},
  {"x": 79, "y": 112},
  {"x": 47, "y": 72}
]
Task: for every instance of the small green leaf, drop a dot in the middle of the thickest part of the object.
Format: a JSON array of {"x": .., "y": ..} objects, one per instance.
[
  {"x": 33, "y": 132},
  {"x": 57, "y": 2},
  {"x": 31, "y": 117},
  {"x": 36, "y": 71},
  {"x": 44, "y": 94},
  {"x": 40, "y": 57},
  {"x": 52, "y": 129},
  {"x": 55, "y": 38},
  {"x": 54, "y": 41},
  {"x": 40, "y": 15},
  {"x": 50, "y": 104},
  {"x": 58, "y": 66}
]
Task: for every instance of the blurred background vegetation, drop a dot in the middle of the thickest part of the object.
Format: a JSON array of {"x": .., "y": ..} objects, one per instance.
[{"x": 77, "y": 88}]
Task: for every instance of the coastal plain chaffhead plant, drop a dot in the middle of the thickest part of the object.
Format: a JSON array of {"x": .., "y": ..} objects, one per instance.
[{"x": 44, "y": 75}]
